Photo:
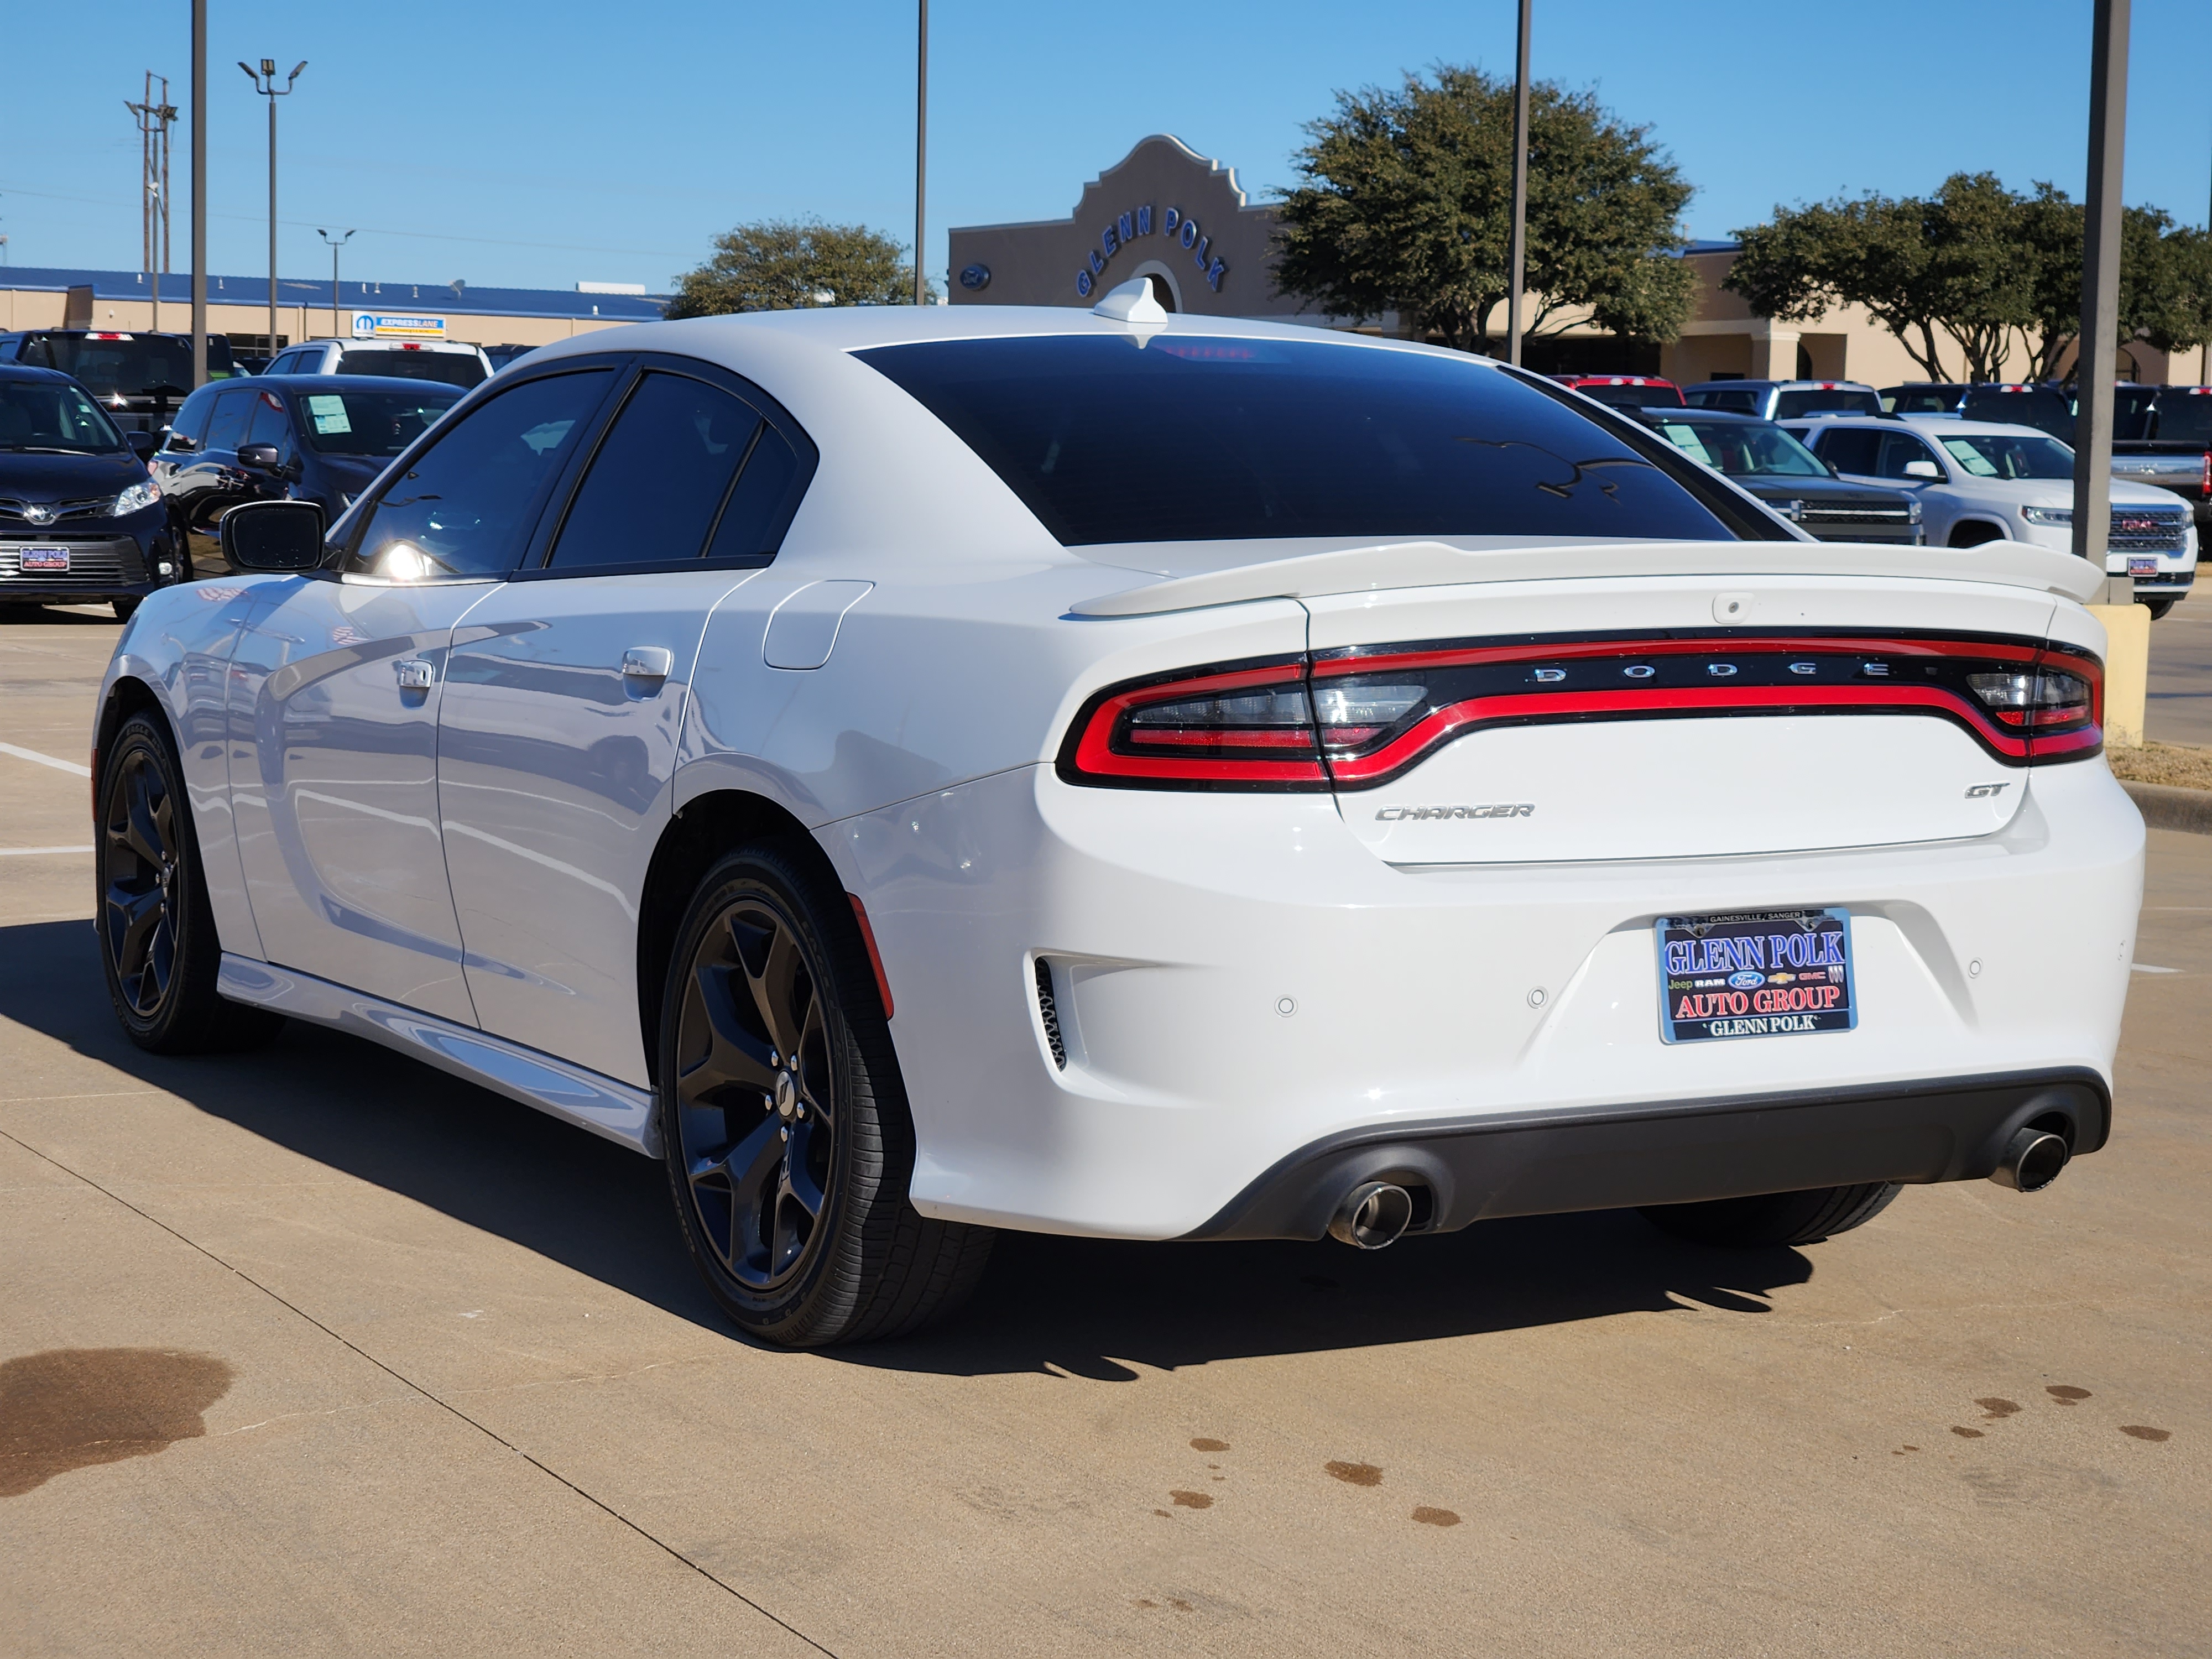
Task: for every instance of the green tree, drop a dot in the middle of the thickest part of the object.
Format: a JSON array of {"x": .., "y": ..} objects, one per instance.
[
  {"x": 780, "y": 264},
  {"x": 1406, "y": 205},
  {"x": 2165, "y": 280},
  {"x": 1951, "y": 266}
]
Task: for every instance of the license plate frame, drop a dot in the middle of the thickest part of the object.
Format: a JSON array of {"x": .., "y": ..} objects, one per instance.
[
  {"x": 1717, "y": 982},
  {"x": 46, "y": 561},
  {"x": 2139, "y": 566}
]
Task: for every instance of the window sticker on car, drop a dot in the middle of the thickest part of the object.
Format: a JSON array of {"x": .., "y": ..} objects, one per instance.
[
  {"x": 1762, "y": 973},
  {"x": 329, "y": 411},
  {"x": 1684, "y": 439},
  {"x": 1971, "y": 458}
]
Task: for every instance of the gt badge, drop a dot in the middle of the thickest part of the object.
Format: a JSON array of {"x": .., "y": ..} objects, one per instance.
[{"x": 1984, "y": 791}]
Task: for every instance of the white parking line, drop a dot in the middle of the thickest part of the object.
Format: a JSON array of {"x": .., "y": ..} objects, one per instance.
[
  {"x": 2145, "y": 968},
  {"x": 46, "y": 760},
  {"x": 38, "y": 852}
]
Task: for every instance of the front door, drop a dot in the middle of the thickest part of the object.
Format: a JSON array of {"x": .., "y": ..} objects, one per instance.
[
  {"x": 334, "y": 700},
  {"x": 564, "y": 704}
]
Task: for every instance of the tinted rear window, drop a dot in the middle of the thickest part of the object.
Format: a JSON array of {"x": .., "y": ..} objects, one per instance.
[
  {"x": 2185, "y": 415},
  {"x": 1199, "y": 438},
  {"x": 1789, "y": 405},
  {"x": 451, "y": 367},
  {"x": 2037, "y": 406}
]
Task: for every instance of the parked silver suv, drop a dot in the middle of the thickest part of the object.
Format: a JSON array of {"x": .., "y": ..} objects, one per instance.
[
  {"x": 1785, "y": 400},
  {"x": 448, "y": 361}
]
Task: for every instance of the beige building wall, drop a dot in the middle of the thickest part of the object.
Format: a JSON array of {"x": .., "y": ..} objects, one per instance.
[{"x": 22, "y": 308}]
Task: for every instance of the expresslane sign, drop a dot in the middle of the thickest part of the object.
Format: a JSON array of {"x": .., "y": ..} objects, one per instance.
[{"x": 367, "y": 327}]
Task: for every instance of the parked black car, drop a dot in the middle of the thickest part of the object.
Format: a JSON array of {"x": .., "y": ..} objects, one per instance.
[
  {"x": 80, "y": 520},
  {"x": 1763, "y": 459},
  {"x": 139, "y": 378},
  {"x": 1925, "y": 398},
  {"x": 309, "y": 437}
]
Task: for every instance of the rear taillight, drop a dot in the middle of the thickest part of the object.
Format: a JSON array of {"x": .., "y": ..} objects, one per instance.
[
  {"x": 2043, "y": 699},
  {"x": 2204, "y": 483},
  {"x": 1244, "y": 727}
]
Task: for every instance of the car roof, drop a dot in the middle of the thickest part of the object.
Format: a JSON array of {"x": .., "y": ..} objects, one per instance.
[
  {"x": 350, "y": 383},
  {"x": 29, "y": 372},
  {"x": 393, "y": 345},
  {"x": 1735, "y": 417},
  {"x": 1945, "y": 425}
]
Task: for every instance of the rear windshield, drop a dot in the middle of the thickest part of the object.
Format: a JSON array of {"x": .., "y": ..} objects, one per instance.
[
  {"x": 370, "y": 422},
  {"x": 1112, "y": 438},
  {"x": 143, "y": 365},
  {"x": 463, "y": 369},
  {"x": 2036, "y": 406},
  {"x": 2185, "y": 415},
  {"x": 1924, "y": 399},
  {"x": 1743, "y": 401},
  {"x": 1789, "y": 405},
  {"x": 1634, "y": 397}
]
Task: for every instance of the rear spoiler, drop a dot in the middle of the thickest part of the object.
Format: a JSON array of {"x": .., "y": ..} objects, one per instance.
[{"x": 1435, "y": 564}]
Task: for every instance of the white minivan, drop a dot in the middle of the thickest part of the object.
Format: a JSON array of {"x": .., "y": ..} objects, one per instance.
[{"x": 1978, "y": 481}]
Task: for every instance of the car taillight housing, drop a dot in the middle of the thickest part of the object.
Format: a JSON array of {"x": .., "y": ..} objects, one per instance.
[{"x": 1359, "y": 718}]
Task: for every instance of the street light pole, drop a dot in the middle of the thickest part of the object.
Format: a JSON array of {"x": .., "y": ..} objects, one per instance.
[
  {"x": 199, "y": 195},
  {"x": 2096, "y": 358},
  {"x": 335, "y": 243},
  {"x": 920, "y": 150},
  {"x": 264, "y": 82},
  {"x": 1520, "y": 191}
]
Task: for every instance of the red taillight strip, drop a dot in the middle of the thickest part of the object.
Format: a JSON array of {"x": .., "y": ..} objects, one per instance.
[
  {"x": 1569, "y": 650},
  {"x": 1538, "y": 707},
  {"x": 1095, "y": 755},
  {"x": 1232, "y": 738}
]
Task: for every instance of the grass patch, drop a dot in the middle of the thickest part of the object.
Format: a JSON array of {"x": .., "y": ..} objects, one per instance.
[{"x": 2184, "y": 765}]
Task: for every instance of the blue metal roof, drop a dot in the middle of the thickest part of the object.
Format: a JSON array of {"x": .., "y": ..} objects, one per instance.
[{"x": 177, "y": 289}]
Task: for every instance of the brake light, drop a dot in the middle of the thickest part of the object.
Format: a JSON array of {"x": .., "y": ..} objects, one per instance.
[
  {"x": 1249, "y": 726},
  {"x": 2204, "y": 483},
  {"x": 2041, "y": 699}
]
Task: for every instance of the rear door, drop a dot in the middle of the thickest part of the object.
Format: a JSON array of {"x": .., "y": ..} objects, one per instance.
[
  {"x": 566, "y": 694},
  {"x": 334, "y": 698},
  {"x": 1584, "y": 720}
]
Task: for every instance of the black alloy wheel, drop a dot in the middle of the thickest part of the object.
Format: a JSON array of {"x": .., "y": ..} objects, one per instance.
[
  {"x": 783, "y": 1123},
  {"x": 157, "y": 934}
]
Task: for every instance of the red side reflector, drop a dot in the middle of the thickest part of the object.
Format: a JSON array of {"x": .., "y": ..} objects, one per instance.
[{"x": 875, "y": 956}]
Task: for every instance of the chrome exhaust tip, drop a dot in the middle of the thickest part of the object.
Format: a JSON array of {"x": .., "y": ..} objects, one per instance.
[
  {"x": 1372, "y": 1215},
  {"x": 2031, "y": 1161}
]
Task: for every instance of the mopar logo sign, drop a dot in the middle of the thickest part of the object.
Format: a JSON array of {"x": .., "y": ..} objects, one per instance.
[{"x": 366, "y": 327}]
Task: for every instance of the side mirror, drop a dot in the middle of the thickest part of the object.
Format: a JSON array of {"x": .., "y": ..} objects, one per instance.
[
  {"x": 1923, "y": 470},
  {"x": 258, "y": 458},
  {"x": 283, "y": 536},
  {"x": 1831, "y": 466},
  {"x": 141, "y": 444}
]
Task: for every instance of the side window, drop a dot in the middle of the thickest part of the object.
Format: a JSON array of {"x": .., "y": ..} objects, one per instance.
[
  {"x": 228, "y": 429},
  {"x": 270, "y": 424},
  {"x": 659, "y": 477},
  {"x": 468, "y": 503},
  {"x": 762, "y": 505},
  {"x": 1850, "y": 449},
  {"x": 1899, "y": 450},
  {"x": 192, "y": 421}
]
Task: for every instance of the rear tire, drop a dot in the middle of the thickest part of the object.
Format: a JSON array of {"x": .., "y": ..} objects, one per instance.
[
  {"x": 789, "y": 1143},
  {"x": 124, "y": 609},
  {"x": 158, "y": 946},
  {"x": 1774, "y": 1219}
]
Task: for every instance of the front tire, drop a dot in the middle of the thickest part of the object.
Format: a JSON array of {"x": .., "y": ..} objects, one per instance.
[
  {"x": 2158, "y": 608},
  {"x": 788, "y": 1145},
  {"x": 124, "y": 609},
  {"x": 158, "y": 944},
  {"x": 1774, "y": 1219}
]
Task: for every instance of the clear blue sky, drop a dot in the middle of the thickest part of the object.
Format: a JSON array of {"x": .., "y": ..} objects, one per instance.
[{"x": 536, "y": 144}]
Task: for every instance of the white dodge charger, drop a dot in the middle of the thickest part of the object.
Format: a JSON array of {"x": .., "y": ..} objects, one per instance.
[{"x": 921, "y": 772}]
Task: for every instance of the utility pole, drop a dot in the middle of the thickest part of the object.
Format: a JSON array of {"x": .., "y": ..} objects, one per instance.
[
  {"x": 920, "y": 151},
  {"x": 1520, "y": 257},
  {"x": 265, "y": 84},
  {"x": 154, "y": 116},
  {"x": 335, "y": 244},
  {"x": 2097, "y": 359},
  {"x": 199, "y": 195}
]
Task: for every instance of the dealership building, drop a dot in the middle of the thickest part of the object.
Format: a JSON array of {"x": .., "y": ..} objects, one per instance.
[{"x": 238, "y": 307}]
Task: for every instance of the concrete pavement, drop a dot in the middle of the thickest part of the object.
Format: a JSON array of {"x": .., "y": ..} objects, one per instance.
[{"x": 316, "y": 1351}]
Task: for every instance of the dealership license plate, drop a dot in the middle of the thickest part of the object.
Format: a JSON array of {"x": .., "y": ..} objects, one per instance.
[
  {"x": 43, "y": 558},
  {"x": 1754, "y": 973},
  {"x": 2142, "y": 567}
]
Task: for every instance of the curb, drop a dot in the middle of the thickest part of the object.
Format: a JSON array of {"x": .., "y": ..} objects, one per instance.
[{"x": 2166, "y": 807}]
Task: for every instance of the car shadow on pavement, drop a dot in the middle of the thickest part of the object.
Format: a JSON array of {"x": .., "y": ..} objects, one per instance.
[{"x": 1080, "y": 1306}]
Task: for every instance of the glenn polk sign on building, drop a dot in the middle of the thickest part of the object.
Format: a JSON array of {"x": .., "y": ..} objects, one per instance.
[{"x": 1163, "y": 212}]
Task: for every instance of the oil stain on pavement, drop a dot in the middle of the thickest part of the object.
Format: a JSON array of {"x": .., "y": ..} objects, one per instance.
[{"x": 69, "y": 1409}]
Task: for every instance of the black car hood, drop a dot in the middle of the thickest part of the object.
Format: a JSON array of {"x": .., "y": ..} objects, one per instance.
[
  {"x": 33, "y": 478},
  {"x": 1828, "y": 492}
]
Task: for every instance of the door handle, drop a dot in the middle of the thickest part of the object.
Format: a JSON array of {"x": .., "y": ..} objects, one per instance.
[
  {"x": 648, "y": 662},
  {"x": 416, "y": 675}
]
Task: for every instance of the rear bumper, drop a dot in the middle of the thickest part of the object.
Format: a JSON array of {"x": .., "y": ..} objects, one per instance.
[{"x": 1481, "y": 1168}]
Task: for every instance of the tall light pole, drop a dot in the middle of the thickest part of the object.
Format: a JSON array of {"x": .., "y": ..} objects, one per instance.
[
  {"x": 199, "y": 195},
  {"x": 335, "y": 243},
  {"x": 264, "y": 82},
  {"x": 920, "y": 150},
  {"x": 153, "y": 116},
  {"x": 2096, "y": 358},
  {"x": 1519, "y": 256}
]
